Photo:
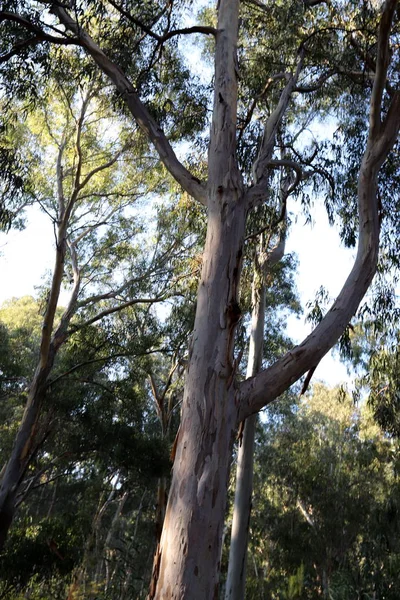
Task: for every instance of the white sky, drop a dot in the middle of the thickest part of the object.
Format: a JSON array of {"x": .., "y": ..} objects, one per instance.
[
  {"x": 26, "y": 256},
  {"x": 323, "y": 261}
]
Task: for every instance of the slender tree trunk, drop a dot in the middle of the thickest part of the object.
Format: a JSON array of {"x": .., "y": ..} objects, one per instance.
[
  {"x": 22, "y": 450},
  {"x": 25, "y": 439},
  {"x": 108, "y": 553},
  {"x": 236, "y": 580}
]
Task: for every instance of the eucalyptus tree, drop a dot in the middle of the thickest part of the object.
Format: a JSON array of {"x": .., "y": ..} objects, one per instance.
[
  {"x": 116, "y": 36},
  {"x": 110, "y": 455},
  {"x": 80, "y": 187}
]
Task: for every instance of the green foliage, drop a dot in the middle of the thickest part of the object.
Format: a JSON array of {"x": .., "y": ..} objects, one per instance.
[
  {"x": 377, "y": 360},
  {"x": 325, "y": 497},
  {"x": 296, "y": 583}
]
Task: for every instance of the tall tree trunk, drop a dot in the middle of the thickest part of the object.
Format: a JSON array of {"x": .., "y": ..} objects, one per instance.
[
  {"x": 195, "y": 511},
  {"x": 236, "y": 579},
  {"x": 24, "y": 442},
  {"x": 187, "y": 563},
  {"x": 109, "y": 558},
  {"x": 50, "y": 343},
  {"x": 15, "y": 467}
]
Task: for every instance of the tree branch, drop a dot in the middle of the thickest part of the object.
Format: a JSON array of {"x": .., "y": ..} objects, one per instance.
[
  {"x": 18, "y": 47},
  {"x": 61, "y": 332},
  {"x": 311, "y": 3},
  {"x": 78, "y": 169},
  {"x": 103, "y": 166},
  {"x": 305, "y": 513},
  {"x": 189, "y": 30},
  {"x": 192, "y": 185},
  {"x": 170, "y": 34},
  {"x": 253, "y": 105},
  {"x": 306, "y": 89},
  {"x": 256, "y": 193},
  {"x": 40, "y": 35},
  {"x": 289, "y": 164},
  {"x": 113, "y": 309},
  {"x": 89, "y": 362},
  {"x": 382, "y": 63},
  {"x": 256, "y": 392}
]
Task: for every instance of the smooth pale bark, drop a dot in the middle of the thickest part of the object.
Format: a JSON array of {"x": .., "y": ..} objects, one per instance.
[
  {"x": 190, "y": 543},
  {"x": 189, "y": 553},
  {"x": 236, "y": 578},
  {"x": 266, "y": 386},
  {"x": 109, "y": 552},
  {"x": 164, "y": 410},
  {"x": 51, "y": 341},
  {"x": 257, "y": 392},
  {"x": 187, "y": 561}
]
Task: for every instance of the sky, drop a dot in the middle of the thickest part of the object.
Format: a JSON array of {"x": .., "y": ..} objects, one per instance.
[
  {"x": 27, "y": 256},
  {"x": 323, "y": 261}
]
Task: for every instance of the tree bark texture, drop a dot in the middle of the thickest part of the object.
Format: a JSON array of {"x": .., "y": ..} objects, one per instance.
[{"x": 190, "y": 547}]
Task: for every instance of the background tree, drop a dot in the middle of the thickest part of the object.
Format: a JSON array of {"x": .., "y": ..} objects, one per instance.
[
  {"x": 79, "y": 185},
  {"x": 325, "y": 477}
]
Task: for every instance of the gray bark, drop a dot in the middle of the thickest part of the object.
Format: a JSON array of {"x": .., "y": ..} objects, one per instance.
[
  {"x": 189, "y": 553},
  {"x": 236, "y": 579},
  {"x": 187, "y": 563}
]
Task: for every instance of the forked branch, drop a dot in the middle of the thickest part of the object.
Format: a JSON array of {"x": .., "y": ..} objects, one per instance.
[
  {"x": 169, "y": 34},
  {"x": 256, "y": 392}
]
